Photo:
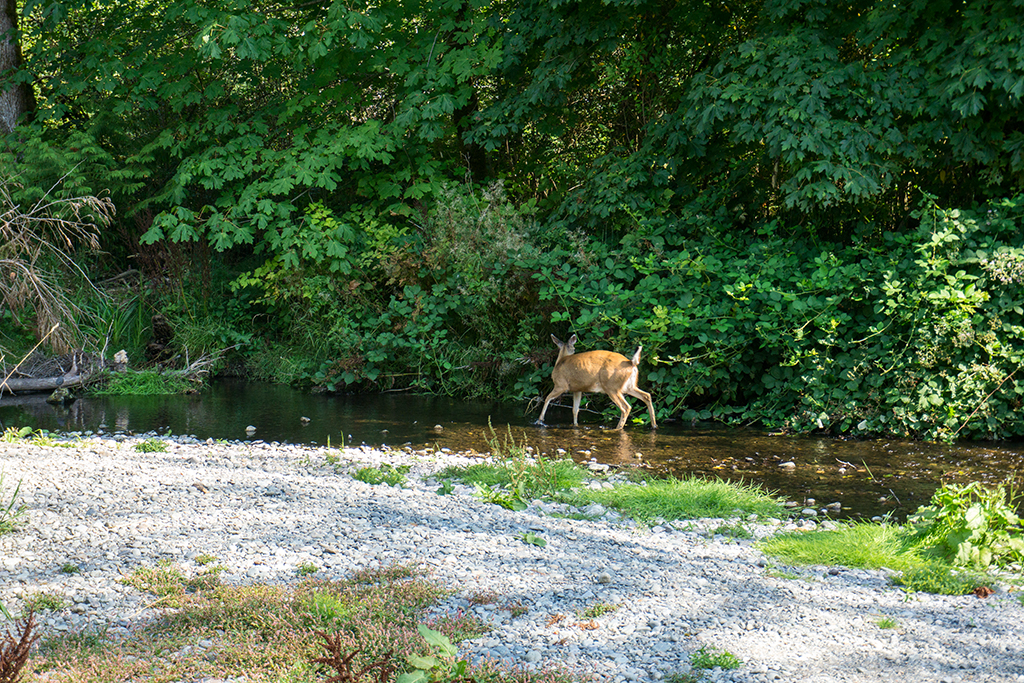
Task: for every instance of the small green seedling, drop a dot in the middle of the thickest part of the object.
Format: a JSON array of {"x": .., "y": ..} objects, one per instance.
[{"x": 532, "y": 539}]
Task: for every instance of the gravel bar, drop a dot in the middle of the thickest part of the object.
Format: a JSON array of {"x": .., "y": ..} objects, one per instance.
[{"x": 264, "y": 510}]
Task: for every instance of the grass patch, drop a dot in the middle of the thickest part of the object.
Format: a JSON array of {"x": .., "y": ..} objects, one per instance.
[
  {"x": 153, "y": 445},
  {"x": 674, "y": 499},
  {"x": 597, "y": 609},
  {"x": 143, "y": 383},
  {"x": 36, "y": 438},
  {"x": 513, "y": 477},
  {"x": 279, "y": 634},
  {"x": 710, "y": 657},
  {"x": 44, "y": 602},
  {"x": 731, "y": 531},
  {"x": 886, "y": 622},
  {"x": 306, "y": 569},
  {"x": 169, "y": 582},
  {"x": 859, "y": 544},
  {"x": 943, "y": 549},
  {"x": 385, "y": 474},
  {"x": 867, "y": 545},
  {"x": 939, "y": 578}
]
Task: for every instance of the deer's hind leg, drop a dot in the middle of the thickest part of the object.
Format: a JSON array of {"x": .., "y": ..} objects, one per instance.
[{"x": 646, "y": 398}]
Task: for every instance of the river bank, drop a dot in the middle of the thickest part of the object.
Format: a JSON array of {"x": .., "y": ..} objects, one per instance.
[{"x": 265, "y": 510}]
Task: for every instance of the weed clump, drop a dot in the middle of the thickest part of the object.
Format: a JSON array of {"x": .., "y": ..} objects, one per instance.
[
  {"x": 971, "y": 525},
  {"x": 384, "y": 474},
  {"x": 945, "y": 548},
  {"x": 153, "y": 445},
  {"x": 370, "y": 626}
]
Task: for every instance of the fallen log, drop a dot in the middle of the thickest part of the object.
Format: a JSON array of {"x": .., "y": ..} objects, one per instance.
[{"x": 16, "y": 385}]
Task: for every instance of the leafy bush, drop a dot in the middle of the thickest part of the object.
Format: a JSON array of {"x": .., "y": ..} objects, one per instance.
[
  {"x": 449, "y": 308},
  {"x": 972, "y": 525},
  {"x": 913, "y": 333}
]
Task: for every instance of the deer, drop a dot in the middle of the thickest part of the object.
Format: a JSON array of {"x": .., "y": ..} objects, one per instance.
[{"x": 604, "y": 372}]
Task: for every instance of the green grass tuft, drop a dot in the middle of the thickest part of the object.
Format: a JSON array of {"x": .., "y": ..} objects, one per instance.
[
  {"x": 143, "y": 383},
  {"x": 859, "y": 544},
  {"x": 674, "y": 499}
]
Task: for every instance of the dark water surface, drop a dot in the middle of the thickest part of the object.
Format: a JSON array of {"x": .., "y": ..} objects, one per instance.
[{"x": 868, "y": 477}]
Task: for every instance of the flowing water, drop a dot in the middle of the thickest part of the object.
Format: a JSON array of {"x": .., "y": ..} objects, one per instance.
[{"x": 874, "y": 477}]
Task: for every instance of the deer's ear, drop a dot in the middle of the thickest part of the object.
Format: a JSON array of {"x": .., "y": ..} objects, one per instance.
[
  {"x": 558, "y": 342},
  {"x": 572, "y": 340}
]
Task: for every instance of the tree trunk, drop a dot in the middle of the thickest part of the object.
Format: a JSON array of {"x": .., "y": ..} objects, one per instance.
[{"x": 15, "y": 99}]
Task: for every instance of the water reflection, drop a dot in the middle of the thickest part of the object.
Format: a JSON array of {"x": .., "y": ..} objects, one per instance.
[{"x": 868, "y": 477}]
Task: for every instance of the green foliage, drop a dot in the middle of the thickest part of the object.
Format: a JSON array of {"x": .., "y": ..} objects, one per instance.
[
  {"x": 915, "y": 333},
  {"x": 384, "y": 474},
  {"x": 972, "y": 525},
  {"x": 499, "y": 496},
  {"x": 857, "y": 544},
  {"x": 144, "y": 383},
  {"x": 597, "y": 609},
  {"x": 711, "y": 657},
  {"x": 44, "y": 602},
  {"x": 36, "y": 438},
  {"x": 306, "y": 569},
  {"x": 324, "y": 609},
  {"x": 433, "y": 310},
  {"x": 531, "y": 538},
  {"x": 15, "y": 434},
  {"x": 440, "y": 665},
  {"x": 153, "y": 445},
  {"x": 368, "y": 622},
  {"x": 513, "y": 478},
  {"x": 11, "y": 512},
  {"x": 734, "y": 187},
  {"x": 835, "y": 108},
  {"x": 170, "y": 582},
  {"x": 116, "y": 322},
  {"x": 939, "y": 579},
  {"x": 673, "y": 499}
]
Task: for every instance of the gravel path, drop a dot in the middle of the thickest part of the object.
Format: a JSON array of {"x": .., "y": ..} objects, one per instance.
[{"x": 264, "y": 510}]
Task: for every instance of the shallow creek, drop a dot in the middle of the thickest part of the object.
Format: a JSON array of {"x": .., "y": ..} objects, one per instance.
[{"x": 869, "y": 478}]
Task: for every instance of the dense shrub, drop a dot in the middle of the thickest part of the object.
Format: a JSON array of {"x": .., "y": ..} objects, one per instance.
[{"x": 914, "y": 333}]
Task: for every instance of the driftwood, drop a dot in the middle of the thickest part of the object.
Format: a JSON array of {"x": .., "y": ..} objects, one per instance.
[
  {"x": 16, "y": 385},
  {"x": 50, "y": 374}
]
